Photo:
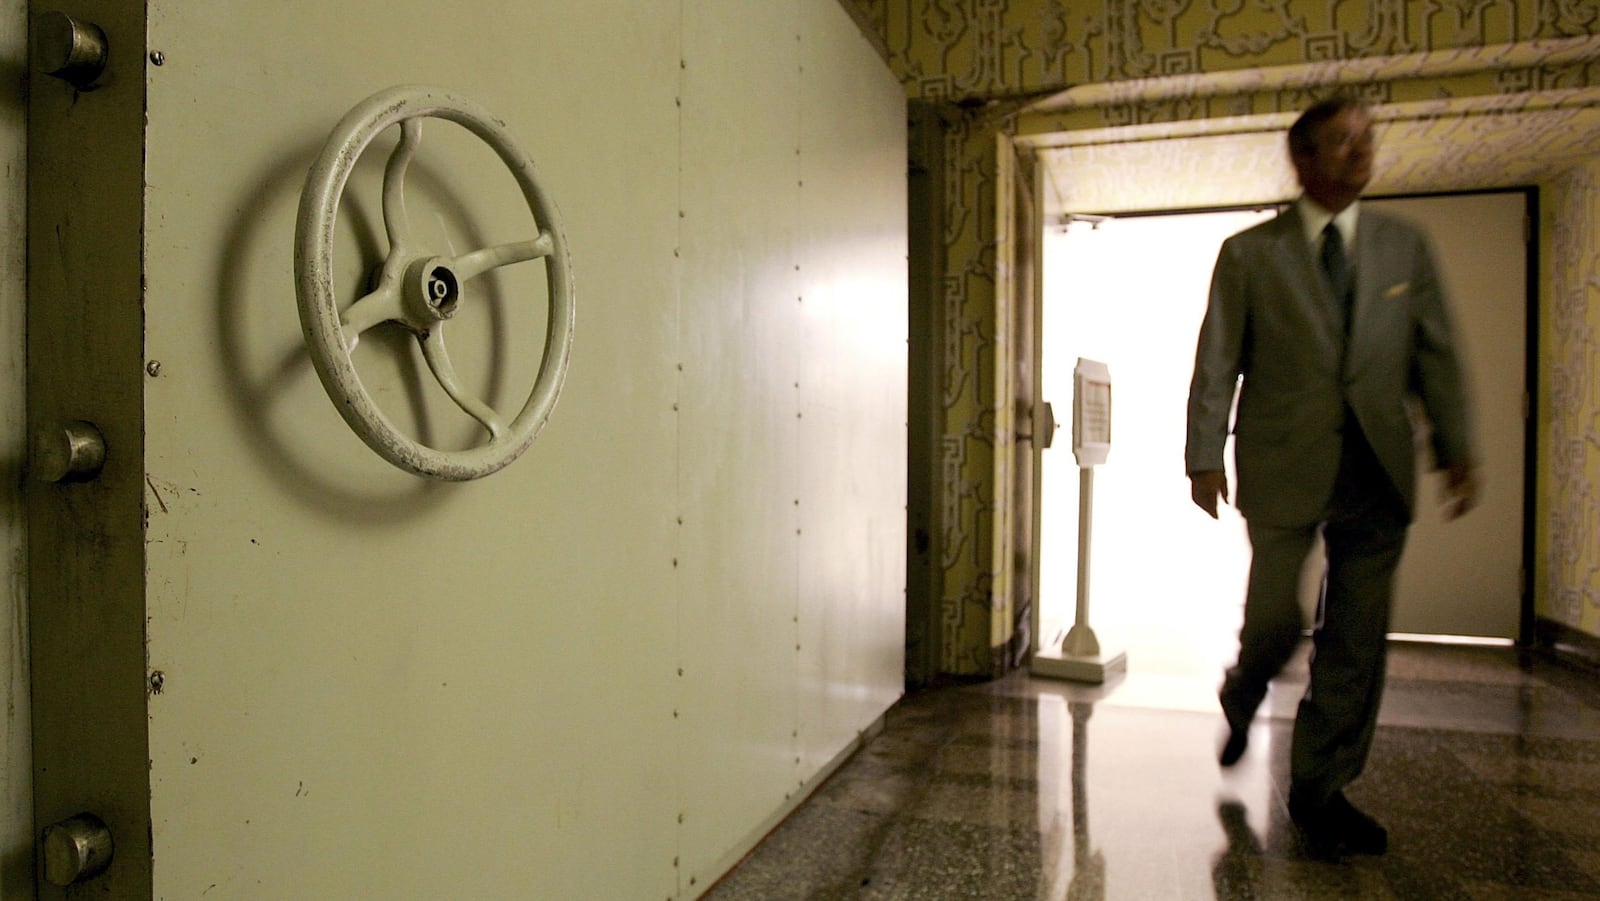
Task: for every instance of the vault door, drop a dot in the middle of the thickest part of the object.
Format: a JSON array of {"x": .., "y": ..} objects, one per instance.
[
  {"x": 1466, "y": 577},
  {"x": 273, "y": 664}
]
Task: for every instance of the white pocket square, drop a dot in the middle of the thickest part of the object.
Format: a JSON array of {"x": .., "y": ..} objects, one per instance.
[{"x": 1396, "y": 290}]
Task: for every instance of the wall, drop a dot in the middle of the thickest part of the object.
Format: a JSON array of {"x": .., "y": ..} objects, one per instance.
[
  {"x": 604, "y": 671},
  {"x": 16, "y": 791},
  {"x": 983, "y": 50},
  {"x": 1146, "y": 64},
  {"x": 1569, "y": 402}
]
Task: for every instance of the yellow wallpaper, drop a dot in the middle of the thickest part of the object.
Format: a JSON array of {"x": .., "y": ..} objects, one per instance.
[
  {"x": 971, "y": 628},
  {"x": 1569, "y": 569},
  {"x": 1117, "y": 66},
  {"x": 995, "y": 48}
]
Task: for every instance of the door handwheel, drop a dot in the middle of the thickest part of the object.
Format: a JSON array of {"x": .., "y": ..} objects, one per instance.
[{"x": 422, "y": 291}]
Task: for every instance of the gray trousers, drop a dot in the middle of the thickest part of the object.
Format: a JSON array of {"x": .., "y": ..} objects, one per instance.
[{"x": 1364, "y": 532}]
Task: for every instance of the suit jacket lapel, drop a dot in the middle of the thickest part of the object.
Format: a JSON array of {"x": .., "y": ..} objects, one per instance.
[
  {"x": 1308, "y": 271},
  {"x": 1368, "y": 280}
]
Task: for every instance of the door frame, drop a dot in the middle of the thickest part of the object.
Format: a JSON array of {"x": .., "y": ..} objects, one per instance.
[
  {"x": 1527, "y": 628},
  {"x": 1019, "y": 232}
]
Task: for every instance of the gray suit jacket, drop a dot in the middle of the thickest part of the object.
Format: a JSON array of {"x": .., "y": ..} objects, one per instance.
[{"x": 1273, "y": 320}]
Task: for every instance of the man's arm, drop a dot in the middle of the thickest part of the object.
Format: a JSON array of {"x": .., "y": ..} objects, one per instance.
[
  {"x": 1461, "y": 487},
  {"x": 1219, "y": 355},
  {"x": 1437, "y": 378}
]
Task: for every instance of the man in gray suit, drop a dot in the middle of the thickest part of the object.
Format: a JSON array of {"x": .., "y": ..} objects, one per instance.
[{"x": 1329, "y": 321}]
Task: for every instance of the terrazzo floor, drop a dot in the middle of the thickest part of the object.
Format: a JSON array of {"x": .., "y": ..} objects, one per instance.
[{"x": 1486, "y": 771}]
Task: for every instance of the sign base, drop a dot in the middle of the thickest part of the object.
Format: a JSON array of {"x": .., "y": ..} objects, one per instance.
[{"x": 1055, "y": 664}]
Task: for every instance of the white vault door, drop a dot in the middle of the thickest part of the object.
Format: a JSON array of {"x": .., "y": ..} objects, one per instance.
[
  {"x": 1465, "y": 577},
  {"x": 271, "y": 663}
]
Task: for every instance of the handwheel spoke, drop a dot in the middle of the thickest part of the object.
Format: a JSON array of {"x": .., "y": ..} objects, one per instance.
[
  {"x": 381, "y": 305},
  {"x": 394, "y": 179},
  {"x": 439, "y": 361},
  {"x": 473, "y": 264}
]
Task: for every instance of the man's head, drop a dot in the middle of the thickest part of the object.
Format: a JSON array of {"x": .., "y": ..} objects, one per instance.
[{"x": 1331, "y": 146}]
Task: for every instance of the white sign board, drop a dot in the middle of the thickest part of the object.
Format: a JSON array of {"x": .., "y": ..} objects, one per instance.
[{"x": 1091, "y": 412}]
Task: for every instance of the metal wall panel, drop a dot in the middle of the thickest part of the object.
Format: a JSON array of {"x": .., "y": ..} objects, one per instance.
[
  {"x": 740, "y": 342},
  {"x": 852, "y": 396}
]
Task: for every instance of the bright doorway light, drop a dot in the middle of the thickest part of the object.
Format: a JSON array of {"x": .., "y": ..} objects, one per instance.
[{"x": 1166, "y": 581}]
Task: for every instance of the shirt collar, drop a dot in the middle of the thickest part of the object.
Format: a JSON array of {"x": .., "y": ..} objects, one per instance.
[{"x": 1314, "y": 218}]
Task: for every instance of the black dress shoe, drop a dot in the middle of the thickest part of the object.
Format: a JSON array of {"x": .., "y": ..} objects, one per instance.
[
  {"x": 1335, "y": 826},
  {"x": 1233, "y": 748},
  {"x": 1238, "y": 734}
]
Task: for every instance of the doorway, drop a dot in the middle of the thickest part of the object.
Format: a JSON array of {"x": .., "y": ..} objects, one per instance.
[{"x": 1167, "y": 582}]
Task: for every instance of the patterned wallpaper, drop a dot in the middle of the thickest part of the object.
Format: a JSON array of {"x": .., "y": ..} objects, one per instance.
[
  {"x": 974, "y": 626},
  {"x": 1477, "y": 91},
  {"x": 1569, "y": 572},
  {"x": 987, "y": 49}
]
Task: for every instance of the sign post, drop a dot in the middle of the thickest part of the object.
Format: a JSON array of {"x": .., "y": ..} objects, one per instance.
[{"x": 1080, "y": 656}]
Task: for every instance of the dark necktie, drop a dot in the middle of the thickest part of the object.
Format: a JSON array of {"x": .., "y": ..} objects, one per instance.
[{"x": 1337, "y": 268}]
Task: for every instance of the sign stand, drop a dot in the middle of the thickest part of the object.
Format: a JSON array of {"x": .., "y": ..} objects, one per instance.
[{"x": 1080, "y": 657}]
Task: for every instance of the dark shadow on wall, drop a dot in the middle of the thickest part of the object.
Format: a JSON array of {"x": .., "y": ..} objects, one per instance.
[{"x": 926, "y": 127}]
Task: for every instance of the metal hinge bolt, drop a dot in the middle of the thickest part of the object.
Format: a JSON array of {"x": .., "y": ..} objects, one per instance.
[
  {"x": 73, "y": 452},
  {"x": 76, "y": 849},
  {"x": 70, "y": 49}
]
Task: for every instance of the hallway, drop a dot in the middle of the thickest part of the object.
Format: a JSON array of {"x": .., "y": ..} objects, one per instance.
[{"x": 1486, "y": 771}]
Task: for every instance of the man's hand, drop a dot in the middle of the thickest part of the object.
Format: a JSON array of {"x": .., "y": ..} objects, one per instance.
[
  {"x": 1205, "y": 487},
  {"x": 1461, "y": 489}
]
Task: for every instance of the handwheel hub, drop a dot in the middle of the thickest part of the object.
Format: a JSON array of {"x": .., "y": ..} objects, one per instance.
[{"x": 432, "y": 290}]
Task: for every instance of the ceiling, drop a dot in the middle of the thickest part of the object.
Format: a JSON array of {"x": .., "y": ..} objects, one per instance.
[
  {"x": 1469, "y": 119},
  {"x": 1251, "y": 165}
]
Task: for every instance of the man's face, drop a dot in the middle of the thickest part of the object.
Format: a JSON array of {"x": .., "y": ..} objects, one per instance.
[{"x": 1342, "y": 163}]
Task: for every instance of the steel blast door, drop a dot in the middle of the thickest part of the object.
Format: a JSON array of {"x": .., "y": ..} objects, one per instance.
[
  {"x": 239, "y": 638},
  {"x": 1465, "y": 577}
]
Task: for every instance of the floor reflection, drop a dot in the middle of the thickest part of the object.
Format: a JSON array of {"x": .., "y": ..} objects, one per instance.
[
  {"x": 1088, "y": 864},
  {"x": 1486, "y": 771},
  {"x": 1231, "y": 875}
]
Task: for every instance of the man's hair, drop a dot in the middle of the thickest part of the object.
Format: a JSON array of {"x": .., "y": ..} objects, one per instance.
[{"x": 1303, "y": 133}]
